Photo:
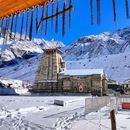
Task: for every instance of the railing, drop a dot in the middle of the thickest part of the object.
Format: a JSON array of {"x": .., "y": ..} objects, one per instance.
[{"x": 124, "y": 99}]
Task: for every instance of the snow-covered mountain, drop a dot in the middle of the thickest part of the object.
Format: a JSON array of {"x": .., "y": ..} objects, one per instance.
[
  {"x": 15, "y": 51},
  {"x": 99, "y": 45},
  {"x": 108, "y": 51}
]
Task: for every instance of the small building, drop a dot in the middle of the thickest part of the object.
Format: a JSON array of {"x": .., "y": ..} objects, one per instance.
[
  {"x": 84, "y": 80},
  {"x": 127, "y": 87},
  {"x": 52, "y": 76},
  {"x": 127, "y": 83},
  {"x": 114, "y": 85}
]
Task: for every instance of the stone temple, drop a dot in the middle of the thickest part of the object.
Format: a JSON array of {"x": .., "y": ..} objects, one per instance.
[{"x": 52, "y": 76}]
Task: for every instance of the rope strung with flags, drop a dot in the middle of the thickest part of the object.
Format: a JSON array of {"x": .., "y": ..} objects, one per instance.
[{"x": 24, "y": 18}]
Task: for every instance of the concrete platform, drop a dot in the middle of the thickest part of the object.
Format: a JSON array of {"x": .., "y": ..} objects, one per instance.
[
  {"x": 67, "y": 102},
  {"x": 60, "y": 102}
]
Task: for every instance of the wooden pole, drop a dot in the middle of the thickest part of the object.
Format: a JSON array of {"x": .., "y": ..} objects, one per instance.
[
  {"x": 113, "y": 120},
  {"x": 101, "y": 91}
]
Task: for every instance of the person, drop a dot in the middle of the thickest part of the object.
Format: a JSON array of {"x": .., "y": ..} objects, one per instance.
[{"x": 122, "y": 91}]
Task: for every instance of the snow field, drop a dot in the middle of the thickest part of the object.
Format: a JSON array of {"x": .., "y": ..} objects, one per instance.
[{"x": 38, "y": 112}]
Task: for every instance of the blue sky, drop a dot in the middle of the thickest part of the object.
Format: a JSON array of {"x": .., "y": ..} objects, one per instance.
[{"x": 81, "y": 21}]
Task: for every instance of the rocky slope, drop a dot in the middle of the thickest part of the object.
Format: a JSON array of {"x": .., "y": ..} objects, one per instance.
[{"x": 99, "y": 45}]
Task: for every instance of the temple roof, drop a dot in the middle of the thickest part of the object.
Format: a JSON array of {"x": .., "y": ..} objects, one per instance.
[
  {"x": 82, "y": 72},
  {"x": 52, "y": 50}
]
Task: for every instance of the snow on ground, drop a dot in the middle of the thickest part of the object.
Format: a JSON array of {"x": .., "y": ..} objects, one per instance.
[
  {"x": 10, "y": 86},
  {"x": 32, "y": 113},
  {"x": 15, "y": 83},
  {"x": 38, "y": 113},
  {"x": 101, "y": 120}
]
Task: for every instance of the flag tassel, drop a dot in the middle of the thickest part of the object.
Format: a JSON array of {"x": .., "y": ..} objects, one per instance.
[
  {"x": 36, "y": 19},
  {"x": 27, "y": 26},
  {"x": 7, "y": 29},
  {"x": 127, "y": 8},
  {"x": 98, "y": 11},
  {"x": 52, "y": 14},
  {"x": 91, "y": 11},
  {"x": 46, "y": 26},
  {"x": 22, "y": 25},
  {"x": 114, "y": 9},
  {"x": 70, "y": 14},
  {"x": 11, "y": 29},
  {"x": 31, "y": 26},
  {"x": 42, "y": 17},
  {"x": 63, "y": 19},
  {"x": 57, "y": 10},
  {"x": 15, "y": 27}
]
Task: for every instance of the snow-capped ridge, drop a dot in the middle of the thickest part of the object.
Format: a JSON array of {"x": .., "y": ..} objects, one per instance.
[
  {"x": 99, "y": 45},
  {"x": 18, "y": 50}
]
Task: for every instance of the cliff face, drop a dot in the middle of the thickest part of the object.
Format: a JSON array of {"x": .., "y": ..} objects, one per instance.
[{"x": 100, "y": 45}]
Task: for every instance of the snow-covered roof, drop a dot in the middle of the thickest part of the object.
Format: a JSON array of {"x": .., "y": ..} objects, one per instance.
[{"x": 82, "y": 72}]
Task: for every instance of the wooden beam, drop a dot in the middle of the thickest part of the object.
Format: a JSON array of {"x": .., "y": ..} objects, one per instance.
[{"x": 9, "y": 7}]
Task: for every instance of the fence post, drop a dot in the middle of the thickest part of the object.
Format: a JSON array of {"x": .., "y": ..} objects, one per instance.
[{"x": 113, "y": 120}]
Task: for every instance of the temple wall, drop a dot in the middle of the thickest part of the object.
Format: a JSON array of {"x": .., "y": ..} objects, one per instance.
[{"x": 92, "y": 83}]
